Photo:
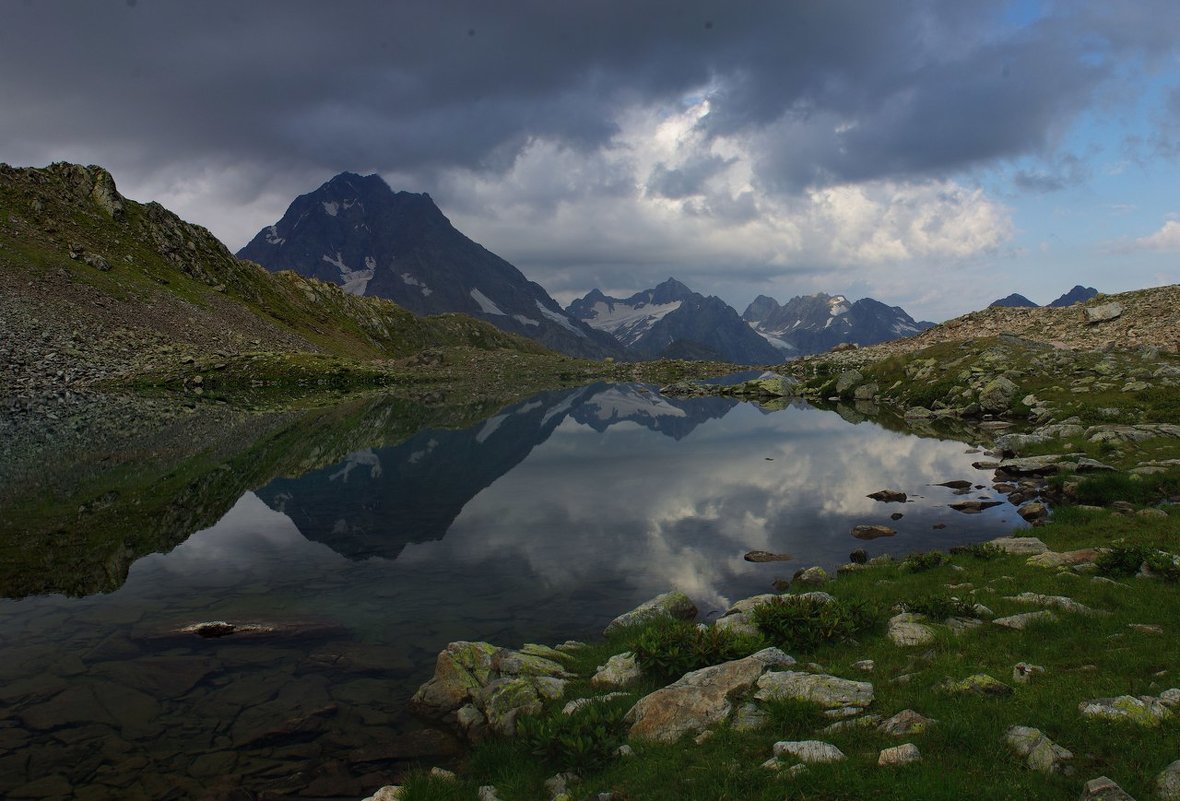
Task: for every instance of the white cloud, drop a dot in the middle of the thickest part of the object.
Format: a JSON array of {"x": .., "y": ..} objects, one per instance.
[
  {"x": 1166, "y": 238},
  {"x": 669, "y": 197}
]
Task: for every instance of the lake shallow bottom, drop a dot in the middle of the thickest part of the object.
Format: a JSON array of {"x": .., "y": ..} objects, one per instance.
[{"x": 539, "y": 524}]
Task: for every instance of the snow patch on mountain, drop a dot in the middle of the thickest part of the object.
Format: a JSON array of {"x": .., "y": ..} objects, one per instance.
[
  {"x": 409, "y": 280},
  {"x": 560, "y": 319},
  {"x": 331, "y": 207},
  {"x": 628, "y": 323},
  {"x": 366, "y": 458},
  {"x": 272, "y": 236},
  {"x": 486, "y": 305},
  {"x": 352, "y": 281},
  {"x": 520, "y": 318}
]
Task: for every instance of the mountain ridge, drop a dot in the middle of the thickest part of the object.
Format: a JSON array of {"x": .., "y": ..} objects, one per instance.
[
  {"x": 357, "y": 232},
  {"x": 808, "y": 324},
  {"x": 671, "y": 319}
]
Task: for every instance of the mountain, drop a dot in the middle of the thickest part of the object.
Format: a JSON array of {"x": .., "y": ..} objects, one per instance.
[
  {"x": 1076, "y": 295},
  {"x": 1013, "y": 301},
  {"x": 671, "y": 320},
  {"x": 378, "y": 500},
  {"x": 815, "y": 323},
  {"x": 97, "y": 286},
  {"x": 358, "y": 233}
]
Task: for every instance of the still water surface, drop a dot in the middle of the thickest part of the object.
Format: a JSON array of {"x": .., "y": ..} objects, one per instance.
[{"x": 538, "y": 524}]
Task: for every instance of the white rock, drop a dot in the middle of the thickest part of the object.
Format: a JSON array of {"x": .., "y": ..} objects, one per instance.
[
  {"x": 903, "y": 754},
  {"x": 809, "y": 751}
]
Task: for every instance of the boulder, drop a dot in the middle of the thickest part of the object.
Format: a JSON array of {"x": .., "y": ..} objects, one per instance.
[
  {"x": 865, "y": 392},
  {"x": 621, "y": 670},
  {"x": 904, "y": 754},
  {"x": 813, "y": 576},
  {"x": 390, "y": 792},
  {"x": 1022, "y": 621},
  {"x": 829, "y": 692},
  {"x": 998, "y": 395},
  {"x": 1033, "y": 512},
  {"x": 888, "y": 496},
  {"x": 673, "y": 605},
  {"x": 1167, "y": 783},
  {"x": 810, "y": 752},
  {"x": 847, "y": 380},
  {"x": 1104, "y": 789},
  {"x": 979, "y": 684},
  {"x": 1039, "y": 752},
  {"x": 700, "y": 699},
  {"x": 905, "y": 723},
  {"x": 1144, "y": 710},
  {"x": 1023, "y": 546},
  {"x": 872, "y": 532},
  {"x": 480, "y": 687},
  {"x": 767, "y": 556},
  {"x": 1103, "y": 312},
  {"x": 973, "y": 506},
  {"x": 906, "y": 630},
  {"x": 1056, "y": 601}
]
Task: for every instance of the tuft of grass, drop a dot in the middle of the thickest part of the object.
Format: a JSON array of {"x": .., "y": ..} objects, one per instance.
[
  {"x": 798, "y": 624},
  {"x": 669, "y": 649}
]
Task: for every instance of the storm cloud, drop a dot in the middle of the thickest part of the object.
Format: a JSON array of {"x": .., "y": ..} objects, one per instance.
[{"x": 228, "y": 109}]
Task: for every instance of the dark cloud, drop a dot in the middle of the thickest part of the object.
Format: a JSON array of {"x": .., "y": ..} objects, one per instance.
[
  {"x": 687, "y": 179},
  {"x": 839, "y": 90}
]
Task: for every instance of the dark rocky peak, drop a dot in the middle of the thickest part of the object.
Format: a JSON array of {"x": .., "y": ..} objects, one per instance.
[
  {"x": 670, "y": 291},
  {"x": 1013, "y": 301},
  {"x": 1076, "y": 295},
  {"x": 760, "y": 309}
]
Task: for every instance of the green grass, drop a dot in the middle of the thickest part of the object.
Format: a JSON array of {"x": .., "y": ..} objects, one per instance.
[{"x": 963, "y": 754}]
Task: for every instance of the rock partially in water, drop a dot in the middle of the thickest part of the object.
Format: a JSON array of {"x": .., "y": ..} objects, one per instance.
[
  {"x": 673, "y": 605},
  {"x": 767, "y": 556},
  {"x": 888, "y": 496},
  {"x": 872, "y": 532}
]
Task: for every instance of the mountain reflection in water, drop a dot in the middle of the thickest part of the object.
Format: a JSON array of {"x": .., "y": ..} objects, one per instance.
[{"x": 540, "y": 523}]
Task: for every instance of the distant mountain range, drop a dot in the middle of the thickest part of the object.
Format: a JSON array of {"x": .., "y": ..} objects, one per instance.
[
  {"x": 1077, "y": 294},
  {"x": 672, "y": 321},
  {"x": 815, "y": 323},
  {"x": 358, "y": 233}
]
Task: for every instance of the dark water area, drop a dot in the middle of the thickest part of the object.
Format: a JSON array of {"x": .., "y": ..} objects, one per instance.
[{"x": 538, "y": 524}]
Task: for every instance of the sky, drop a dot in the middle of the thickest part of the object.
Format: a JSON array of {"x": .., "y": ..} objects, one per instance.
[{"x": 931, "y": 154}]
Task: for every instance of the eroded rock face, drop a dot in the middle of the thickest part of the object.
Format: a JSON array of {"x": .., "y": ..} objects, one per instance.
[
  {"x": 670, "y": 605},
  {"x": 700, "y": 699}
]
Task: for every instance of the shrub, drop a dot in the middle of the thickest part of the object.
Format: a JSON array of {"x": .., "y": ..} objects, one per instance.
[
  {"x": 669, "y": 649},
  {"x": 979, "y": 550},
  {"x": 940, "y": 607},
  {"x": 1122, "y": 560},
  {"x": 918, "y": 562},
  {"x": 802, "y": 624},
  {"x": 585, "y": 740}
]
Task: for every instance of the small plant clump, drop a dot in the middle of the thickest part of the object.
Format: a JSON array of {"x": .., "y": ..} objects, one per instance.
[
  {"x": 585, "y": 740},
  {"x": 802, "y": 624},
  {"x": 919, "y": 562},
  {"x": 1127, "y": 560},
  {"x": 668, "y": 650},
  {"x": 939, "y": 607}
]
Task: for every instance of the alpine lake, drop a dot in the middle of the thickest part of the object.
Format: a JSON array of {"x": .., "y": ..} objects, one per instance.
[{"x": 347, "y": 547}]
